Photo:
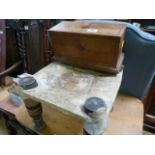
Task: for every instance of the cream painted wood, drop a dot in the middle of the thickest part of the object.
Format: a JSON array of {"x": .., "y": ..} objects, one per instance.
[{"x": 66, "y": 88}]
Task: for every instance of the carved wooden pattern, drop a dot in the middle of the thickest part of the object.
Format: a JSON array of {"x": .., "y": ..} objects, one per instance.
[{"x": 2, "y": 47}]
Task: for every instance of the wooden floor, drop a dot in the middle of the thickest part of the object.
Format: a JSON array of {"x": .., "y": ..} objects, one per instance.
[{"x": 4, "y": 131}]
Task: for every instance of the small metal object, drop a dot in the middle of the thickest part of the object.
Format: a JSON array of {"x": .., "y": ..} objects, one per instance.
[
  {"x": 96, "y": 109},
  {"x": 92, "y": 104},
  {"x": 28, "y": 82}
]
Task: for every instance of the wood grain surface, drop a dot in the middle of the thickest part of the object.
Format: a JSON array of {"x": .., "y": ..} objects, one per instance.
[{"x": 89, "y": 45}]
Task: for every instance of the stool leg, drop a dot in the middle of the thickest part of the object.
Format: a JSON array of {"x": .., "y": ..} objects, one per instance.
[
  {"x": 85, "y": 132},
  {"x": 35, "y": 111}
]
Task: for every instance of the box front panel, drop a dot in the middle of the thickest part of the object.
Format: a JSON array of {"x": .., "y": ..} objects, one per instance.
[{"x": 97, "y": 50}]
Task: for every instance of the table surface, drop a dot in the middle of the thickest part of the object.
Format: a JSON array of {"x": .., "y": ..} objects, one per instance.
[{"x": 66, "y": 88}]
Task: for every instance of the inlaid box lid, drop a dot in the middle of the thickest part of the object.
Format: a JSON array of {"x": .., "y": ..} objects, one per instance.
[{"x": 116, "y": 30}]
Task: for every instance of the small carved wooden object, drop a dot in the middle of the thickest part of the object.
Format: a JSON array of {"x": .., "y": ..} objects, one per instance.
[{"x": 35, "y": 111}]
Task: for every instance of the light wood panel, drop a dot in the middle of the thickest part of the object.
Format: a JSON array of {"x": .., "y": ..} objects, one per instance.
[
  {"x": 126, "y": 117},
  {"x": 56, "y": 122}
]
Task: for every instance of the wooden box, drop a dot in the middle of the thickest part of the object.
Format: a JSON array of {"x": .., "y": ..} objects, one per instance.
[{"x": 89, "y": 45}]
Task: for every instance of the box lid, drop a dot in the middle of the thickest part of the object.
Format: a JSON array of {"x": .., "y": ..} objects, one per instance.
[{"x": 115, "y": 30}]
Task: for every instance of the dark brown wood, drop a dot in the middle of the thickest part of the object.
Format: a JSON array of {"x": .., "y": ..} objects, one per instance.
[
  {"x": 150, "y": 118},
  {"x": 12, "y": 54},
  {"x": 2, "y": 47},
  {"x": 89, "y": 45},
  {"x": 10, "y": 69},
  {"x": 149, "y": 99},
  {"x": 143, "y": 23},
  {"x": 149, "y": 104},
  {"x": 148, "y": 30},
  {"x": 149, "y": 123},
  {"x": 46, "y": 43},
  {"x": 36, "y": 44},
  {"x": 35, "y": 111},
  {"x": 34, "y": 47}
]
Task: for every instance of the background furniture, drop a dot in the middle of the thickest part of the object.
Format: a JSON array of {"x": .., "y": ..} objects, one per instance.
[
  {"x": 149, "y": 116},
  {"x": 36, "y": 44},
  {"x": 11, "y": 59},
  {"x": 147, "y": 25},
  {"x": 32, "y": 43},
  {"x": 2, "y": 47},
  {"x": 24, "y": 43},
  {"x": 139, "y": 70}
]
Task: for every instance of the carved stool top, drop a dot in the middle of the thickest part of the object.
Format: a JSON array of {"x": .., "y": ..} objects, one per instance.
[{"x": 66, "y": 88}]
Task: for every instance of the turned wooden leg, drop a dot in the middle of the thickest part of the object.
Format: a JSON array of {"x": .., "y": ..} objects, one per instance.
[{"x": 35, "y": 111}]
